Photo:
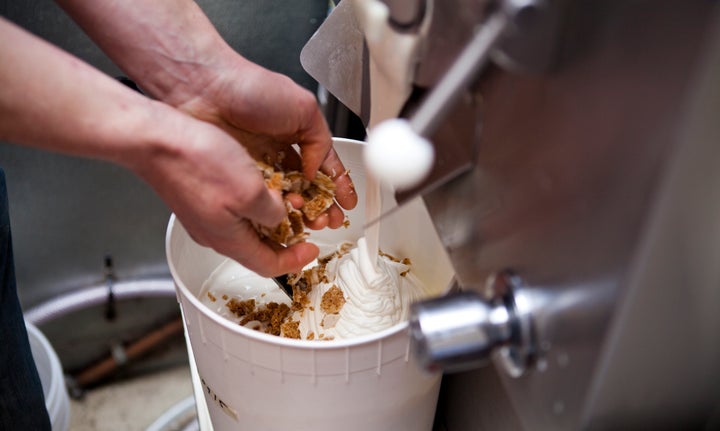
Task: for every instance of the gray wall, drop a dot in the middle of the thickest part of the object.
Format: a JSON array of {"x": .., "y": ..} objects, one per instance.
[{"x": 68, "y": 213}]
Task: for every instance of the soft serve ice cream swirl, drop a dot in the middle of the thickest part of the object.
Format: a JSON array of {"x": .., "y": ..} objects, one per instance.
[{"x": 376, "y": 296}]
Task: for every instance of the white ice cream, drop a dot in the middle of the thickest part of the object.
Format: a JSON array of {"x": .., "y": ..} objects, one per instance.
[
  {"x": 232, "y": 280},
  {"x": 376, "y": 298}
]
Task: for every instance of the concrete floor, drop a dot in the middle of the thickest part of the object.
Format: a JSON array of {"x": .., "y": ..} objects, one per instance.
[{"x": 132, "y": 404}]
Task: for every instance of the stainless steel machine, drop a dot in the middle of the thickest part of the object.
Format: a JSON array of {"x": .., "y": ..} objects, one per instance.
[{"x": 575, "y": 189}]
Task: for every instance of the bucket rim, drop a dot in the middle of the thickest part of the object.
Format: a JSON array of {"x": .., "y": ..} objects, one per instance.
[{"x": 261, "y": 336}]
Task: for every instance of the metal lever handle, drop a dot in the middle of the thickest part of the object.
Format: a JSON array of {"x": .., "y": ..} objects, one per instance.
[
  {"x": 464, "y": 69},
  {"x": 403, "y": 173},
  {"x": 412, "y": 156},
  {"x": 462, "y": 331},
  {"x": 476, "y": 54}
]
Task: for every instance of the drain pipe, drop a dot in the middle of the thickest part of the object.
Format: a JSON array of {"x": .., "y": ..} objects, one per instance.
[
  {"x": 100, "y": 294},
  {"x": 120, "y": 354}
]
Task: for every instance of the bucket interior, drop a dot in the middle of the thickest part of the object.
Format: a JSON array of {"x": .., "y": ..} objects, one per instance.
[
  {"x": 406, "y": 232},
  {"x": 371, "y": 381}
]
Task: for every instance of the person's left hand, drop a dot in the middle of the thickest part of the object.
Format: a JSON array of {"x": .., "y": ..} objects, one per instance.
[{"x": 172, "y": 50}]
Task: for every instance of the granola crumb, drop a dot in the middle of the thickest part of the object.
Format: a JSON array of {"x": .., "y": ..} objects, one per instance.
[
  {"x": 291, "y": 329},
  {"x": 270, "y": 316},
  {"x": 241, "y": 308},
  {"x": 332, "y": 300},
  {"x": 318, "y": 195}
]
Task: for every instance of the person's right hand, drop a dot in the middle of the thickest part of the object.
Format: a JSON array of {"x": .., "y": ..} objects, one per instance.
[{"x": 216, "y": 190}]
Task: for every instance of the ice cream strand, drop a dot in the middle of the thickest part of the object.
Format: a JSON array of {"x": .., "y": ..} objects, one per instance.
[{"x": 372, "y": 212}]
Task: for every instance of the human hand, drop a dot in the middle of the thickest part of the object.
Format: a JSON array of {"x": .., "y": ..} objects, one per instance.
[
  {"x": 215, "y": 189},
  {"x": 176, "y": 55},
  {"x": 268, "y": 113}
]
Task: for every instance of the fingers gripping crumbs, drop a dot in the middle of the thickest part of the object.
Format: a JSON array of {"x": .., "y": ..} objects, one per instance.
[{"x": 318, "y": 195}]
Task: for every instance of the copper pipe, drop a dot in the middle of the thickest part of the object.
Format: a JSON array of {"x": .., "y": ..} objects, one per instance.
[{"x": 133, "y": 350}]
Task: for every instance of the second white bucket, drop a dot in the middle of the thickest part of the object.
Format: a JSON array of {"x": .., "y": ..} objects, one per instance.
[
  {"x": 255, "y": 381},
  {"x": 57, "y": 400}
]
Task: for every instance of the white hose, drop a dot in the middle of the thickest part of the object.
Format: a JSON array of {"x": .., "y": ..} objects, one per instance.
[
  {"x": 98, "y": 294},
  {"x": 180, "y": 417}
]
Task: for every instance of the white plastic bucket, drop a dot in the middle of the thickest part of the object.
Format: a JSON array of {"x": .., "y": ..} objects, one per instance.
[
  {"x": 48, "y": 365},
  {"x": 255, "y": 381}
]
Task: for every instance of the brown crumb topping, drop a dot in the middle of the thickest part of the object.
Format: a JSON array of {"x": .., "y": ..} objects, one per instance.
[
  {"x": 212, "y": 297},
  {"x": 332, "y": 300},
  {"x": 406, "y": 261},
  {"x": 300, "y": 298},
  {"x": 241, "y": 308},
  {"x": 271, "y": 316},
  {"x": 318, "y": 195},
  {"x": 276, "y": 319},
  {"x": 291, "y": 329}
]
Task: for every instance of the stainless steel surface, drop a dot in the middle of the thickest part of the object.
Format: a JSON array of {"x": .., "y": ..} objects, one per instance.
[
  {"x": 573, "y": 209},
  {"x": 665, "y": 332},
  {"x": 442, "y": 45},
  {"x": 336, "y": 55},
  {"x": 595, "y": 183},
  {"x": 406, "y": 13},
  {"x": 516, "y": 32},
  {"x": 458, "y": 332},
  {"x": 463, "y": 71},
  {"x": 443, "y": 99},
  {"x": 462, "y": 331},
  {"x": 532, "y": 45},
  {"x": 567, "y": 173}
]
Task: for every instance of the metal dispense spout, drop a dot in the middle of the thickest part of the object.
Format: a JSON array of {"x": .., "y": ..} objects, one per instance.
[{"x": 463, "y": 331}]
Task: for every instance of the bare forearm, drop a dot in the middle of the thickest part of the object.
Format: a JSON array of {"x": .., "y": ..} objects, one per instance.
[
  {"x": 167, "y": 46},
  {"x": 52, "y": 100}
]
